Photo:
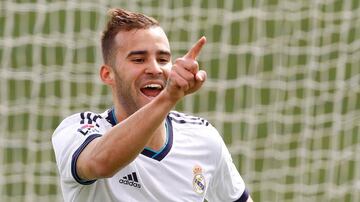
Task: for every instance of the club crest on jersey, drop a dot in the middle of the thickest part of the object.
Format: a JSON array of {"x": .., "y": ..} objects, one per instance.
[
  {"x": 199, "y": 183},
  {"x": 85, "y": 129}
]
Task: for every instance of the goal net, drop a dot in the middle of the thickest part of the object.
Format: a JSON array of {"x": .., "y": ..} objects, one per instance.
[{"x": 283, "y": 88}]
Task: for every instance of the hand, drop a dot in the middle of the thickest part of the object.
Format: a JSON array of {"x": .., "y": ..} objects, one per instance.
[{"x": 185, "y": 76}]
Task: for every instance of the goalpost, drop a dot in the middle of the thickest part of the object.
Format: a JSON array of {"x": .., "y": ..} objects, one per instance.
[{"x": 283, "y": 88}]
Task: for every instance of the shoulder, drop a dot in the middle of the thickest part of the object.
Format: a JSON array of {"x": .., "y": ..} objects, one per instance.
[
  {"x": 196, "y": 128},
  {"x": 75, "y": 129},
  {"x": 82, "y": 122}
]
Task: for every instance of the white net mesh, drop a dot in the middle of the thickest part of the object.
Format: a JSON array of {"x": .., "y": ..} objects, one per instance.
[{"x": 283, "y": 88}]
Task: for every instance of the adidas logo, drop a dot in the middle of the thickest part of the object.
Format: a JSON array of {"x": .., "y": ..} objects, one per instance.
[{"x": 131, "y": 180}]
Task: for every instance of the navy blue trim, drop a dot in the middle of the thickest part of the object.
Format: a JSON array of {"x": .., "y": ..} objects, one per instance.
[
  {"x": 147, "y": 152},
  {"x": 159, "y": 156},
  {"x": 111, "y": 117},
  {"x": 75, "y": 157},
  {"x": 166, "y": 150},
  {"x": 114, "y": 115},
  {"x": 154, "y": 153},
  {"x": 244, "y": 197}
]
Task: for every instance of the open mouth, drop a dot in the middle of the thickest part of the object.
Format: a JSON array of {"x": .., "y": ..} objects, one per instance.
[{"x": 152, "y": 90}]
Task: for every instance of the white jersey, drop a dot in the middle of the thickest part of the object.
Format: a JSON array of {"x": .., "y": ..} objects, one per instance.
[{"x": 193, "y": 165}]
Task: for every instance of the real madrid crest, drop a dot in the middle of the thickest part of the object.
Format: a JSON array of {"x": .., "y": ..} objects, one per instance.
[{"x": 199, "y": 183}]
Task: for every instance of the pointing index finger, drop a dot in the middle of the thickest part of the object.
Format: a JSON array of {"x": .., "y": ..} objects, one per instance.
[{"x": 195, "y": 50}]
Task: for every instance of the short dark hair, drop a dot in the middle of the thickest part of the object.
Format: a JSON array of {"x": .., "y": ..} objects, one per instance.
[{"x": 122, "y": 20}]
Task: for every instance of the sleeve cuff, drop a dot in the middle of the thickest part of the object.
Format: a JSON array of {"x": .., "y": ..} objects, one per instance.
[
  {"x": 244, "y": 197},
  {"x": 75, "y": 157}
]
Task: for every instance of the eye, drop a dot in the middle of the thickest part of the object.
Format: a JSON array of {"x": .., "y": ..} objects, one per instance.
[
  {"x": 138, "y": 60},
  {"x": 163, "y": 60}
]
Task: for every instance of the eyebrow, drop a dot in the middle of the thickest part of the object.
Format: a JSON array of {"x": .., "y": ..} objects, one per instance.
[
  {"x": 162, "y": 52},
  {"x": 144, "y": 52},
  {"x": 137, "y": 52}
]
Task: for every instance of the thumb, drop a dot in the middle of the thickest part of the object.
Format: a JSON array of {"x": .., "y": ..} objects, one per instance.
[{"x": 200, "y": 76}]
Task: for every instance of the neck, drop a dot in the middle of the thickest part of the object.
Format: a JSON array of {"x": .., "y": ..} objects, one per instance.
[{"x": 158, "y": 139}]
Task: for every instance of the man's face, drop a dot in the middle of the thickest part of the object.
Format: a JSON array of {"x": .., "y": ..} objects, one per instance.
[{"x": 142, "y": 62}]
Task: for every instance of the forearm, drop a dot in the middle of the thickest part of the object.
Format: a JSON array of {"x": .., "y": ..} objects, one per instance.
[{"x": 111, "y": 152}]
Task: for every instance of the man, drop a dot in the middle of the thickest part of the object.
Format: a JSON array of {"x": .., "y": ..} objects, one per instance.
[{"x": 140, "y": 150}]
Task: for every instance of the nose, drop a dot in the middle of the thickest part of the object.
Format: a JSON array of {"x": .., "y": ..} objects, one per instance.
[{"x": 154, "y": 68}]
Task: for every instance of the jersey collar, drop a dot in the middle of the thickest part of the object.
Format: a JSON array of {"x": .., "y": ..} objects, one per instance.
[{"x": 156, "y": 155}]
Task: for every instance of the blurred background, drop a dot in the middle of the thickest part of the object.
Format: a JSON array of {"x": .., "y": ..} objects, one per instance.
[{"x": 283, "y": 88}]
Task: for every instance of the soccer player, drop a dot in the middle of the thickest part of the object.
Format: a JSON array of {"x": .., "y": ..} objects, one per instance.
[{"x": 140, "y": 150}]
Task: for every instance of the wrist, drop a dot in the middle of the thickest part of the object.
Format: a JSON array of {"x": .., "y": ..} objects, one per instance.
[{"x": 167, "y": 99}]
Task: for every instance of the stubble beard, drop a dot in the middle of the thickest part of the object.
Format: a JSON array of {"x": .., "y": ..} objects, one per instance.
[{"x": 124, "y": 97}]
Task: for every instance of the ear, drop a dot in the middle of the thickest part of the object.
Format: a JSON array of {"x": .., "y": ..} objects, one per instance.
[{"x": 107, "y": 74}]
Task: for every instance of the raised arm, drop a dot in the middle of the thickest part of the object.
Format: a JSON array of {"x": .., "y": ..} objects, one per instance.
[{"x": 106, "y": 155}]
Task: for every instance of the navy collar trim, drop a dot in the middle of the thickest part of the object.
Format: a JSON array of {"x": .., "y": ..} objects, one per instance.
[
  {"x": 157, "y": 155},
  {"x": 111, "y": 118}
]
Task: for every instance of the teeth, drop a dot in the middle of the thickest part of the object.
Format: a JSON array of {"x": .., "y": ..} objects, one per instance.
[{"x": 157, "y": 86}]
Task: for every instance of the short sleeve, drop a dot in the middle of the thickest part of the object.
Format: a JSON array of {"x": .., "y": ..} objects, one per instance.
[
  {"x": 226, "y": 184},
  {"x": 70, "y": 138}
]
